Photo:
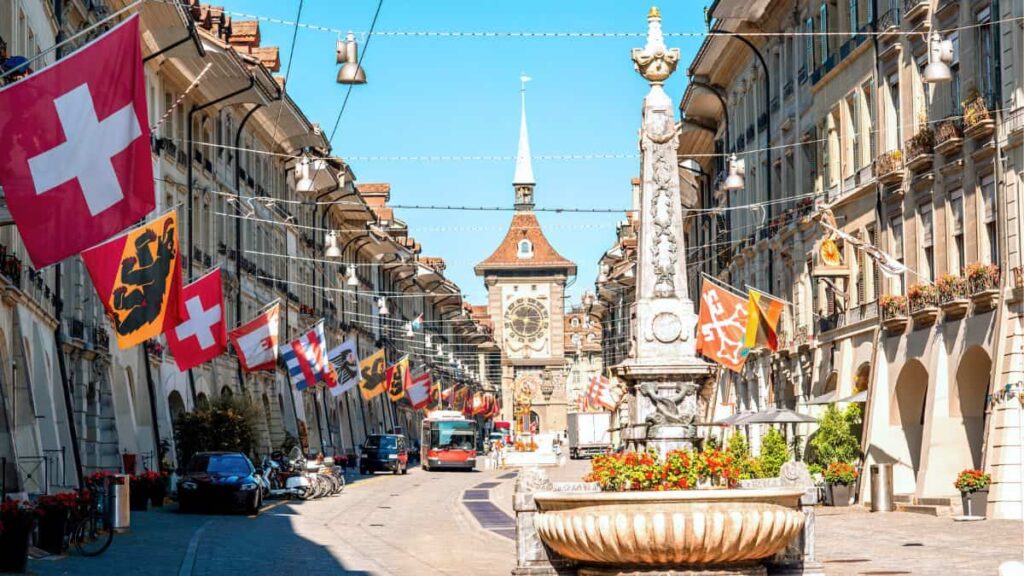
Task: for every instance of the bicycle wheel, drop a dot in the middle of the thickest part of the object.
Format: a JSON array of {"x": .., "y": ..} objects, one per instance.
[{"x": 93, "y": 535}]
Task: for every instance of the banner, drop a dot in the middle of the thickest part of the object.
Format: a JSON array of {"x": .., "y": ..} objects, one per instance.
[
  {"x": 306, "y": 360},
  {"x": 419, "y": 391},
  {"x": 373, "y": 373},
  {"x": 345, "y": 359},
  {"x": 255, "y": 342},
  {"x": 722, "y": 326},
  {"x": 763, "y": 313},
  {"x": 397, "y": 379},
  {"x": 202, "y": 334},
  {"x": 138, "y": 278}
]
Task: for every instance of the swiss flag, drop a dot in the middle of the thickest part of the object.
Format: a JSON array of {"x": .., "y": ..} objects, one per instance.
[
  {"x": 202, "y": 334},
  {"x": 255, "y": 341},
  {"x": 76, "y": 167}
]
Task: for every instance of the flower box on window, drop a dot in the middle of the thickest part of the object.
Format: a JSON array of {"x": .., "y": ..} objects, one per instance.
[
  {"x": 894, "y": 312},
  {"x": 978, "y": 122},
  {"x": 923, "y": 300},
  {"x": 889, "y": 167},
  {"x": 983, "y": 282},
  {"x": 919, "y": 150},
  {"x": 953, "y": 299},
  {"x": 949, "y": 137}
]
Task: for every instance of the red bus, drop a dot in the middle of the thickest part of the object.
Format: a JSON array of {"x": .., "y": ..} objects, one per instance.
[{"x": 448, "y": 440}]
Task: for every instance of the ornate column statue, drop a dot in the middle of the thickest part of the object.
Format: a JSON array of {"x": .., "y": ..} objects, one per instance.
[{"x": 663, "y": 371}]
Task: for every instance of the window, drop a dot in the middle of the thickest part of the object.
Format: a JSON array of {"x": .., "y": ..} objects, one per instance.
[
  {"x": 869, "y": 262},
  {"x": 956, "y": 217},
  {"x": 823, "y": 24},
  {"x": 809, "y": 44},
  {"x": 896, "y": 229},
  {"x": 893, "y": 130},
  {"x": 853, "y": 106},
  {"x": 525, "y": 249},
  {"x": 988, "y": 198},
  {"x": 927, "y": 264},
  {"x": 853, "y": 16},
  {"x": 862, "y": 275},
  {"x": 868, "y": 102},
  {"x": 986, "y": 66},
  {"x": 954, "y": 69}
]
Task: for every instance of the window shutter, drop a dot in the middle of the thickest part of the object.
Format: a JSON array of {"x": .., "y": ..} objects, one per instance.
[
  {"x": 988, "y": 198},
  {"x": 956, "y": 209},
  {"x": 925, "y": 213}
]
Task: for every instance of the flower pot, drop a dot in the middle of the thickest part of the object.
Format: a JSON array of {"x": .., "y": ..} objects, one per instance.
[
  {"x": 975, "y": 503},
  {"x": 840, "y": 494},
  {"x": 14, "y": 547},
  {"x": 52, "y": 529}
]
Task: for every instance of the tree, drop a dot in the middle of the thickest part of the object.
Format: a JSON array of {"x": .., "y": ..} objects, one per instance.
[
  {"x": 835, "y": 441},
  {"x": 774, "y": 453},
  {"x": 227, "y": 424}
]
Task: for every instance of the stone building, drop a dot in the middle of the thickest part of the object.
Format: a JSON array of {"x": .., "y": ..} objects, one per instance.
[
  {"x": 525, "y": 279},
  {"x": 252, "y": 177},
  {"x": 582, "y": 353},
  {"x": 843, "y": 123}
]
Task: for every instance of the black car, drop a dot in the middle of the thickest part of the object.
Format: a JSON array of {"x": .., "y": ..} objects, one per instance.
[
  {"x": 220, "y": 480},
  {"x": 385, "y": 452}
]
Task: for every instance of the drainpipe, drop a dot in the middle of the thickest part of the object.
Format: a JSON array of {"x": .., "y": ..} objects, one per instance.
[{"x": 191, "y": 189}]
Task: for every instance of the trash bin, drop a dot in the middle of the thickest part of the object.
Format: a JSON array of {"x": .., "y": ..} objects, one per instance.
[
  {"x": 881, "y": 488},
  {"x": 119, "y": 500}
]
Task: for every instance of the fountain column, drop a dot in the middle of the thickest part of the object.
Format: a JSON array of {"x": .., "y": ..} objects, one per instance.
[{"x": 663, "y": 371}]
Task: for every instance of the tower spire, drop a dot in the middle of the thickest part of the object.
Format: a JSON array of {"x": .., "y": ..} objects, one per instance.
[{"x": 523, "y": 181}]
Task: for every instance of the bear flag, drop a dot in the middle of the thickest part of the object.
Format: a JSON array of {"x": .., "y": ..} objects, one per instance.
[
  {"x": 138, "y": 278},
  {"x": 76, "y": 167}
]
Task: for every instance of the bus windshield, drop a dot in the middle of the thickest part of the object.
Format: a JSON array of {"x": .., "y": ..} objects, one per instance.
[{"x": 453, "y": 435}]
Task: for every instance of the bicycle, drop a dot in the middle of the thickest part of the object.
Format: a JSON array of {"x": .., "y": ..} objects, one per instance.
[{"x": 93, "y": 533}]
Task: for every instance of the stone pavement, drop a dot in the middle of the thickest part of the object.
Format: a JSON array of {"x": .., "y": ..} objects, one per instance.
[{"x": 384, "y": 525}]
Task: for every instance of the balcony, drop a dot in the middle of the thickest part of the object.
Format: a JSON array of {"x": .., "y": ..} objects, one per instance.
[
  {"x": 1013, "y": 127},
  {"x": 801, "y": 75},
  {"x": 914, "y": 9},
  {"x": 978, "y": 122},
  {"x": 182, "y": 157},
  {"x": 773, "y": 104},
  {"x": 889, "y": 22},
  {"x": 861, "y": 313},
  {"x": 953, "y": 299},
  {"x": 949, "y": 137},
  {"x": 10, "y": 267},
  {"x": 787, "y": 89},
  {"x": 889, "y": 167},
  {"x": 894, "y": 313},
  {"x": 923, "y": 302},
  {"x": 919, "y": 150},
  {"x": 762, "y": 122},
  {"x": 76, "y": 329},
  {"x": 983, "y": 285},
  {"x": 101, "y": 338},
  {"x": 946, "y": 7}
]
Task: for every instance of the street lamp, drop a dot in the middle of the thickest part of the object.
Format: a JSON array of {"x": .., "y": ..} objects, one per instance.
[
  {"x": 331, "y": 245},
  {"x": 940, "y": 56},
  {"x": 382, "y": 306},
  {"x": 352, "y": 281},
  {"x": 734, "y": 181},
  {"x": 348, "y": 56}
]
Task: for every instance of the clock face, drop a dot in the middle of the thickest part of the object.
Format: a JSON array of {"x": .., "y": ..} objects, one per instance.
[{"x": 526, "y": 319}]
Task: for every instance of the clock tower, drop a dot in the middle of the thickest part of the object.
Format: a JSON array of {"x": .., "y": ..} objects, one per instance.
[{"x": 525, "y": 279}]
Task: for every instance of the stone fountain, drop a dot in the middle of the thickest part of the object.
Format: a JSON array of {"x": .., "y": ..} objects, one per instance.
[{"x": 663, "y": 372}]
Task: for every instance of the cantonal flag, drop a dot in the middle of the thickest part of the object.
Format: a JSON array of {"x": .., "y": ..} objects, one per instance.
[
  {"x": 138, "y": 278},
  {"x": 763, "y": 313},
  {"x": 397, "y": 379},
  {"x": 721, "y": 326},
  {"x": 419, "y": 391},
  {"x": 255, "y": 341},
  {"x": 373, "y": 371}
]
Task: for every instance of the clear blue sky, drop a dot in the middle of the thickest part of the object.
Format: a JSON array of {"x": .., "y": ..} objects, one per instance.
[{"x": 460, "y": 96}]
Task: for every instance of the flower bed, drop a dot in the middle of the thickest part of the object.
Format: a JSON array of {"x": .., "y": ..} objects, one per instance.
[
  {"x": 842, "y": 473},
  {"x": 679, "y": 470}
]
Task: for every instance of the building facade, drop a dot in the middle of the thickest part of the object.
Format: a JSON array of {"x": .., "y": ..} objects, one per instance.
[
  {"x": 836, "y": 123},
  {"x": 259, "y": 197}
]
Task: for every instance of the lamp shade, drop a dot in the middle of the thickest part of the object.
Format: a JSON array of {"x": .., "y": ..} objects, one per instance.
[{"x": 734, "y": 181}]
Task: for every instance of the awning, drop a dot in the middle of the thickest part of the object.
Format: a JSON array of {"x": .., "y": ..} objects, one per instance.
[
  {"x": 778, "y": 416},
  {"x": 861, "y": 396},
  {"x": 826, "y": 398}
]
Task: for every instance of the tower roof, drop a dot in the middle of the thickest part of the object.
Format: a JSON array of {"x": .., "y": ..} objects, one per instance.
[
  {"x": 540, "y": 256},
  {"x": 524, "y": 163}
]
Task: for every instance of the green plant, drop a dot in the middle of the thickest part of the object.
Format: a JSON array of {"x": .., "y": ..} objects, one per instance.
[
  {"x": 228, "y": 423},
  {"x": 922, "y": 296},
  {"x": 893, "y": 305},
  {"x": 774, "y": 453},
  {"x": 679, "y": 470},
  {"x": 835, "y": 441},
  {"x": 840, "y": 473},
  {"x": 972, "y": 480},
  {"x": 737, "y": 446}
]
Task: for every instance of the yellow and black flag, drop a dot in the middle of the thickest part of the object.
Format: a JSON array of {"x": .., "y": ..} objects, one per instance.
[
  {"x": 373, "y": 371},
  {"x": 138, "y": 278}
]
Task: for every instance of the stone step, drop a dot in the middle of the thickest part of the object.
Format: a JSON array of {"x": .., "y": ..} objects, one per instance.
[
  {"x": 903, "y": 498},
  {"x": 918, "y": 509}
]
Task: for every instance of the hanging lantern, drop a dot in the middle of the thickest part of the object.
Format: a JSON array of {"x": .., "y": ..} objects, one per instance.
[
  {"x": 382, "y": 306},
  {"x": 331, "y": 243},
  {"x": 734, "y": 181}
]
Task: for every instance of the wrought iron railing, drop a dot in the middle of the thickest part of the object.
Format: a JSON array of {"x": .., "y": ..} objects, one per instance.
[
  {"x": 889, "y": 162},
  {"x": 947, "y": 130}
]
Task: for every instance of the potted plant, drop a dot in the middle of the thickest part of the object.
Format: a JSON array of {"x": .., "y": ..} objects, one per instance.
[
  {"x": 923, "y": 300},
  {"x": 16, "y": 521},
  {"x": 156, "y": 487},
  {"x": 973, "y": 487},
  {"x": 952, "y": 290},
  {"x": 983, "y": 283},
  {"x": 839, "y": 478},
  {"x": 138, "y": 494},
  {"x": 894, "y": 311},
  {"x": 53, "y": 512}
]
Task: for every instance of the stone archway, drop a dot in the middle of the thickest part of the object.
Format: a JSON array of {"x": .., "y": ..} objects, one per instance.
[
  {"x": 175, "y": 405},
  {"x": 862, "y": 377},
  {"x": 202, "y": 401},
  {"x": 908, "y": 408},
  {"x": 968, "y": 404},
  {"x": 226, "y": 392}
]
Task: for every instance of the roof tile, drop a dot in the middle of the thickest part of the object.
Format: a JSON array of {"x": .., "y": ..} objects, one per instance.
[{"x": 525, "y": 226}]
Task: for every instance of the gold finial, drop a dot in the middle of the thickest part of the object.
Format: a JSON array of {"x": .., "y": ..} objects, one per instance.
[{"x": 654, "y": 13}]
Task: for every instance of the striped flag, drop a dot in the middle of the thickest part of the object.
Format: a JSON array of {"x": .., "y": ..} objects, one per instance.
[
  {"x": 306, "y": 360},
  {"x": 603, "y": 393}
]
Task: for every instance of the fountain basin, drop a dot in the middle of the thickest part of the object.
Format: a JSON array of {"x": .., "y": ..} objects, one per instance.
[{"x": 684, "y": 528}]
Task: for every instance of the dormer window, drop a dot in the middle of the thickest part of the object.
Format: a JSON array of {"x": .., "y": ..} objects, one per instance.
[{"x": 525, "y": 249}]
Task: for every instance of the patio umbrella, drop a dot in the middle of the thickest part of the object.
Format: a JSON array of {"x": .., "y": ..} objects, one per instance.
[
  {"x": 777, "y": 416},
  {"x": 737, "y": 419},
  {"x": 861, "y": 396},
  {"x": 827, "y": 398}
]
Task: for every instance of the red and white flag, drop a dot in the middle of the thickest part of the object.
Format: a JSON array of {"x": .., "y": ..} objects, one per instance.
[
  {"x": 603, "y": 393},
  {"x": 418, "y": 391},
  {"x": 202, "y": 334},
  {"x": 255, "y": 341},
  {"x": 76, "y": 167}
]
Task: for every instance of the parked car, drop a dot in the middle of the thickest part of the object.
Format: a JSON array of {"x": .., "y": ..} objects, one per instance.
[
  {"x": 219, "y": 480},
  {"x": 385, "y": 452}
]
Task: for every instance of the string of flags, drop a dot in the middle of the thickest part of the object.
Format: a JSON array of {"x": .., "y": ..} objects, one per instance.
[{"x": 82, "y": 162}]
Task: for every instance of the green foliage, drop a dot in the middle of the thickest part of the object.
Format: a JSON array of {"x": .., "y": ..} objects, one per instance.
[
  {"x": 712, "y": 443},
  {"x": 737, "y": 446},
  {"x": 774, "y": 453},
  {"x": 228, "y": 423},
  {"x": 835, "y": 441}
]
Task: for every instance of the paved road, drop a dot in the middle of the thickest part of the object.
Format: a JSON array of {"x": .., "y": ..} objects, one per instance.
[{"x": 384, "y": 525}]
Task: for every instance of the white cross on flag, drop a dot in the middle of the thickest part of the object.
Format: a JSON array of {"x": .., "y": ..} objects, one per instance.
[
  {"x": 76, "y": 167},
  {"x": 202, "y": 334}
]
